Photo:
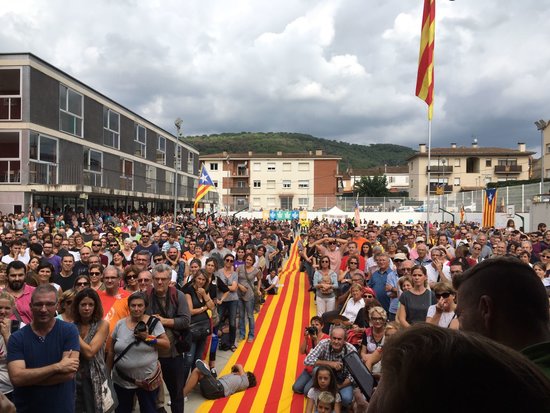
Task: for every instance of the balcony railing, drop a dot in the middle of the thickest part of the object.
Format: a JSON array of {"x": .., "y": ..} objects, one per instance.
[
  {"x": 440, "y": 169},
  {"x": 42, "y": 173},
  {"x": 440, "y": 189},
  {"x": 508, "y": 169},
  {"x": 237, "y": 190}
]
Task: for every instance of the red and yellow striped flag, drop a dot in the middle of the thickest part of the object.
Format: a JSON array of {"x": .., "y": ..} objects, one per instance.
[
  {"x": 425, "y": 77},
  {"x": 489, "y": 208}
]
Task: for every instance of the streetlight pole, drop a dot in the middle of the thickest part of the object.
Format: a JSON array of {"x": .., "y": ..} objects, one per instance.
[
  {"x": 542, "y": 125},
  {"x": 178, "y": 122}
]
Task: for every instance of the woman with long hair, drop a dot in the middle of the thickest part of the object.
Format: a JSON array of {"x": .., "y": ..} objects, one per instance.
[
  {"x": 325, "y": 282},
  {"x": 81, "y": 282},
  {"x": 247, "y": 276},
  {"x": 119, "y": 260},
  {"x": 91, "y": 374},
  {"x": 416, "y": 301},
  {"x": 199, "y": 302},
  {"x": 230, "y": 300}
]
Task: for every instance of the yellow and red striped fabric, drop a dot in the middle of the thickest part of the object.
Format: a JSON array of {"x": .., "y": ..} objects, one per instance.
[
  {"x": 425, "y": 77},
  {"x": 273, "y": 356}
]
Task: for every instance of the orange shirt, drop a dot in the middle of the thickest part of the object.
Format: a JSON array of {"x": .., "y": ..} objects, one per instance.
[{"x": 115, "y": 308}]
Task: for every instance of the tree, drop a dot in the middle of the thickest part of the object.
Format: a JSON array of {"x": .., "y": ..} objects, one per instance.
[{"x": 375, "y": 186}]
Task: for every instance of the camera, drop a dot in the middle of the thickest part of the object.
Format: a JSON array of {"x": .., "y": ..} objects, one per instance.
[
  {"x": 312, "y": 331},
  {"x": 140, "y": 327}
]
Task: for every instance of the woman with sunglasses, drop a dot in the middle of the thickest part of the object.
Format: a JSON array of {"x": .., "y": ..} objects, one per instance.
[
  {"x": 95, "y": 271},
  {"x": 229, "y": 301},
  {"x": 442, "y": 313},
  {"x": 345, "y": 280},
  {"x": 416, "y": 301},
  {"x": 88, "y": 318},
  {"x": 65, "y": 306},
  {"x": 81, "y": 282},
  {"x": 130, "y": 278},
  {"x": 374, "y": 336},
  {"x": 325, "y": 282}
]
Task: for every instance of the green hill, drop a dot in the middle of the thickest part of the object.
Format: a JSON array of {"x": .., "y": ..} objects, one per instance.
[{"x": 353, "y": 155}]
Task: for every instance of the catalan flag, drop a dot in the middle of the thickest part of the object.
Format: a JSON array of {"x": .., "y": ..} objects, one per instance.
[
  {"x": 462, "y": 212},
  {"x": 205, "y": 185},
  {"x": 489, "y": 208},
  {"x": 425, "y": 77},
  {"x": 357, "y": 215}
]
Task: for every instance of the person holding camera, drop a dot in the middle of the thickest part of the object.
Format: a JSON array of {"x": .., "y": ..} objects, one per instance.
[
  {"x": 133, "y": 358},
  {"x": 312, "y": 335},
  {"x": 170, "y": 306}
]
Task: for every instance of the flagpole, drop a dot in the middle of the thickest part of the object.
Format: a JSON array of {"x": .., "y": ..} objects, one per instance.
[{"x": 428, "y": 205}]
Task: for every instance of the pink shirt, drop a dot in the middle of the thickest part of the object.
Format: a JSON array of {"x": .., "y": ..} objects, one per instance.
[{"x": 23, "y": 305}]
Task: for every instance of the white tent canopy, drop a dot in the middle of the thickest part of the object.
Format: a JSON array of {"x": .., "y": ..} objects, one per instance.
[{"x": 335, "y": 213}]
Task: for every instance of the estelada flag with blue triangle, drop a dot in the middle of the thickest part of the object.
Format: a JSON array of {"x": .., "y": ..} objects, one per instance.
[
  {"x": 489, "y": 208},
  {"x": 205, "y": 185}
]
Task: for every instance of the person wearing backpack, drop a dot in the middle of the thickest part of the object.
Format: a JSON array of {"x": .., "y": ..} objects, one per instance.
[{"x": 170, "y": 306}]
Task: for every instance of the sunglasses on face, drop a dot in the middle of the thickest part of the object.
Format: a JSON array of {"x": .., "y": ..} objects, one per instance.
[
  {"x": 368, "y": 296},
  {"x": 444, "y": 295},
  {"x": 158, "y": 260},
  {"x": 82, "y": 284},
  {"x": 229, "y": 260}
]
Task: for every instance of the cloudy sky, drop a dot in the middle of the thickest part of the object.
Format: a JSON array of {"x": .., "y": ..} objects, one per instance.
[{"x": 342, "y": 69}]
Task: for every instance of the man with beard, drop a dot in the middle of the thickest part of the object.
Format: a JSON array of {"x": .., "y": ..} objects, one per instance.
[
  {"x": 176, "y": 264},
  {"x": 20, "y": 291},
  {"x": 96, "y": 250},
  {"x": 43, "y": 358}
]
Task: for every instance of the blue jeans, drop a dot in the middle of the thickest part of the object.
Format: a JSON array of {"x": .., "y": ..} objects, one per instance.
[
  {"x": 230, "y": 307},
  {"x": 147, "y": 400},
  {"x": 346, "y": 394},
  {"x": 246, "y": 311},
  {"x": 301, "y": 382},
  {"x": 194, "y": 354}
]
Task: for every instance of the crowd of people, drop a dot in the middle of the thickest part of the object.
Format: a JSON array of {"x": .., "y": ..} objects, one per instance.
[
  {"x": 138, "y": 301},
  {"x": 100, "y": 309},
  {"x": 371, "y": 282}
]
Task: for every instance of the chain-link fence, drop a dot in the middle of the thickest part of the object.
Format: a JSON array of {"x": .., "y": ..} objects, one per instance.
[{"x": 520, "y": 196}]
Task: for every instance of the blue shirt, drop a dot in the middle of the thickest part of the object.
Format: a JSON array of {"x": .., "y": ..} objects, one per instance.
[
  {"x": 25, "y": 345},
  {"x": 378, "y": 283}
]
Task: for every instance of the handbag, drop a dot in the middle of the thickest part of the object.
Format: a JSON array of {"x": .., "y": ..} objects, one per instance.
[
  {"x": 215, "y": 317},
  {"x": 182, "y": 340},
  {"x": 107, "y": 398},
  {"x": 200, "y": 329},
  {"x": 152, "y": 382}
]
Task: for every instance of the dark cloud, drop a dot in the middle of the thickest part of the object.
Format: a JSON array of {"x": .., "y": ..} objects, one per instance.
[{"x": 343, "y": 70}]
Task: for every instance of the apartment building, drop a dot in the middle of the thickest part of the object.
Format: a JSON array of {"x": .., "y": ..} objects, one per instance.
[
  {"x": 64, "y": 143},
  {"x": 275, "y": 181},
  {"x": 460, "y": 168},
  {"x": 397, "y": 177}
]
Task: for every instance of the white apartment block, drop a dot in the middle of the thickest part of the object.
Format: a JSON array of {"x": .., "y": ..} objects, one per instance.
[{"x": 274, "y": 181}]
